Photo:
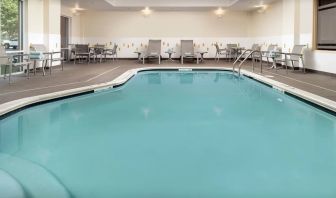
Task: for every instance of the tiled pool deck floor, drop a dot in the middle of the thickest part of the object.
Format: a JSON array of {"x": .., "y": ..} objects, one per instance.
[{"x": 79, "y": 75}]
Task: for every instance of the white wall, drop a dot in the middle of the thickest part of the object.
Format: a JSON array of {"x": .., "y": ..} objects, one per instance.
[
  {"x": 290, "y": 22},
  {"x": 75, "y": 24},
  {"x": 43, "y": 24}
]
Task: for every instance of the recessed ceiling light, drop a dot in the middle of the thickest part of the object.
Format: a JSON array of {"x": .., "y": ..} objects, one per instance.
[
  {"x": 261, "y": 7},
  {"x": 219, "y": 12},
  {"x": 146, "y": 11}
]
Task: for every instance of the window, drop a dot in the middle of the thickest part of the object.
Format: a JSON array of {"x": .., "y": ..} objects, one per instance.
[
  {"x": 11, "y": 25},
  {"x": 326, "y": 29}
]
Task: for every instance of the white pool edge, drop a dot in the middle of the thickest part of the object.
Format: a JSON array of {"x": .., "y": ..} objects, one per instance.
[{"x": 123, "y": 78}]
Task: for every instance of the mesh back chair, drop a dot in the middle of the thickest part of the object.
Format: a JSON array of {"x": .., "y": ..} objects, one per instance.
[
  {"x": 37, "y": 54},
  {"x": 293, "y": 57},
  {"x": 112, "y": 52},
  {"x": 14, "y": 61},
  {"x": 98, "y": 50},
  {"x": 219, "y": 52},
  {"x": 4, "y": 60},
  {"x": 82, "y": 51},
  {"x": 46, "y": 56},
  {"x": 153, "y": 51},
  {"x": 268, "y": 53},
  {"x": 257, "y": 55},
  {"x": 187, "y": 50},
  {"x": 231, "y": 50}
]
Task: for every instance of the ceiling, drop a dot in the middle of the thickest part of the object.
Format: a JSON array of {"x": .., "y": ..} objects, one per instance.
[{"x": 105, "y": 5}]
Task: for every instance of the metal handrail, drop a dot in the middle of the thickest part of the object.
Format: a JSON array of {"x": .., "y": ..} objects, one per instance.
[
  {"x": 250, "y": 54},
  {"x": 241, "y": 55}
]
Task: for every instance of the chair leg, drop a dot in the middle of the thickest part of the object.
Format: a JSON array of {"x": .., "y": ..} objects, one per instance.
[
  {"x": 44, "y": 64},
  {"x": 286, "y": 64},
  {"x": 182, "y": 60},
  {"x": 159, "y": 60},
  {"x": 28, "y": 68},
  {"x": 35, "y": 67},
  {"x": 62, "y": 62},
  {"x": 6, "y": 66},
  {"x": 143, "y": 60},
  {"x": 10, "y": 73},
  {"x": 303, "y": 65},
  {"x": 50, "y": 67}
]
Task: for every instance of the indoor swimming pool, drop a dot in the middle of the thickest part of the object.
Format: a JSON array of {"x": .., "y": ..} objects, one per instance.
[{"x": 171, "y": 134}]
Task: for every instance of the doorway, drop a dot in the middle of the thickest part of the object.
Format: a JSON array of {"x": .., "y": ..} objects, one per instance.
[{"x": 65, "y": 29}]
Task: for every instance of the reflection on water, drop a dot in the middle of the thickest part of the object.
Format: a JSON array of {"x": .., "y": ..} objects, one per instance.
[
  {"x": 207, "y": 138},
  {"x": 187, "y": 78},
  {"x": 154, "y": 78}
]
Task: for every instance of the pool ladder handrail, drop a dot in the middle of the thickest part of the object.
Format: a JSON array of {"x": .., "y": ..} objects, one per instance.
[{"x": 249, "y": 53}]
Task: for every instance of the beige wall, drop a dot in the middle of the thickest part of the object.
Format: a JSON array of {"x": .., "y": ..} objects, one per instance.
[
  {"x": 164, "y": 24},
  {"x": 131, "y": 30}
]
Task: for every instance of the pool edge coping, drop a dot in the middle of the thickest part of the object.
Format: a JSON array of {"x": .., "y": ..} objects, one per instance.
[{"x": 9, "y": 107}]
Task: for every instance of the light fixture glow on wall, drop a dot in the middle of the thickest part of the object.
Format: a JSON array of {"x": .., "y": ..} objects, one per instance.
[
  {"x": 219, "y": 12},
  {"x": 146, "y": 11},
  {"x": 76, "y": 10},
  {"x": 261, "y": 8}
]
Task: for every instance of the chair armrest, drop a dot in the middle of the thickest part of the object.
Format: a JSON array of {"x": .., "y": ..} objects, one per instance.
[{"x": 294, "y": 54}]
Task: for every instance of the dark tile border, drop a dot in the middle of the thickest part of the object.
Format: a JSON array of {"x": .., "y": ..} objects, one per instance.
[{"x": 43, "y": 102}]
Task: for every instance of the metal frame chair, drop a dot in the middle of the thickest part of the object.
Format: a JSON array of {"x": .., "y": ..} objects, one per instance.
[
  {"x": 220, "y": 52},
  {"x": 47, "y": 56},
  {"x": 266, "y": 54},
  {"x": 112, "y": 52},
  {"x": 82, "y": 51},
  {"x": 231, "y": 51},
  {"x": 187, "y": 50},
  {"x": 294, "y": 57},
  {"x": 13, "y": 61},
  {"x": 153, "y": 50}
]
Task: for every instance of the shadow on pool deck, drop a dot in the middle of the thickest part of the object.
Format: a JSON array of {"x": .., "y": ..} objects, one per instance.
[{"x": 79, "y": 75}]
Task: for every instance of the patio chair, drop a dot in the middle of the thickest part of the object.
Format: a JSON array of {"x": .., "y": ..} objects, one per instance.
[
  {"x": 39, "y": 52},
  {"x": 187, "y": 50},
  {"x": 153, "y": 51},
  {"x": 98, "y": 50},
  {"x": 268, "y": 53},
  {"x": 12, "y": 62},
  {"x": 256, "y": 48},
  {"x": 219, "y": 52},
  {"x": 294, "y": 57},
  {"x": 82, "y": 51},
  {"x": 231, "y": 51},
  {"x": 112, "y": 52}
]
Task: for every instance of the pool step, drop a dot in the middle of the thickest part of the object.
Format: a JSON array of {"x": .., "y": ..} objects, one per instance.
[
  {"x": 10, "y": 187},
  {"x": 35, "y": 180}
]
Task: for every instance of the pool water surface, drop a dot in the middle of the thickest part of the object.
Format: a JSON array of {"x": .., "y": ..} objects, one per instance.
[{"x": 173, "y": 134}]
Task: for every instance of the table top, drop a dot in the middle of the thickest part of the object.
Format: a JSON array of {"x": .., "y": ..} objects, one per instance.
[
  {"x": 14, "y": 52},
  {"x": 202, "y": 52}
]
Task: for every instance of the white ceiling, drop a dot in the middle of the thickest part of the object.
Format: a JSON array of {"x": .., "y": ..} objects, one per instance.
[{"x": 164, "y": 4}]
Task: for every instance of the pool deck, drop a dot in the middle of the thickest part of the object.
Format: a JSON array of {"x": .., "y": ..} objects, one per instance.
[{"x": 79, "y": 75}]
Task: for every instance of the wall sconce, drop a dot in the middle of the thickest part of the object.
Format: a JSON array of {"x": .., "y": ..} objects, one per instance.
[
  {"x": 146, "y": 12},
  {"x": 261, "y": 8},
  {"x": 219, "y": 12}
]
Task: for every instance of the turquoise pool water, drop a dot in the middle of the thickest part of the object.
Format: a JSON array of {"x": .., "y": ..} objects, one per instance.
[{"x": 171, "y": 135}]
